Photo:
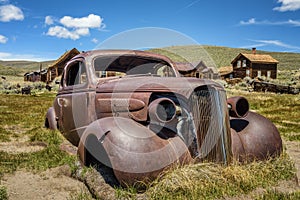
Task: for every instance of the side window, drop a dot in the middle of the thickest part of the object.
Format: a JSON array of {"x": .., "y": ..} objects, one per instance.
[
  {"x": 244, "y": 63},
  {"x": 76, "y": 74},
  {"x": 259, "y": 73},
  {"x": 238, "y": 64}
]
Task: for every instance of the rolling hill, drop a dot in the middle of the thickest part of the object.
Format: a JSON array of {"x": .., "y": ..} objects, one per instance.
[{"x": 220, "y": 56}]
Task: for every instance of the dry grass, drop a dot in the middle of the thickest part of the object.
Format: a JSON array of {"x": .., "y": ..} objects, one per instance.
[{"x": 211, "y": 181}]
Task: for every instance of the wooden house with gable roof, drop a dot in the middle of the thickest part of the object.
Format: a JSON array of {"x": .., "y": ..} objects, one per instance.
[
  {"x": 254, "y": 65},
  {"x": 57, "y": 67}
]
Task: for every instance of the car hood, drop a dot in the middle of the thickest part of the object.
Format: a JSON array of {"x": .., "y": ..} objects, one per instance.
[{"x": 128, "y": 84}]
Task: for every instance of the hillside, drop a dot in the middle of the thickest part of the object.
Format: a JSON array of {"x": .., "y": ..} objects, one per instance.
[
  {"x": 21, "y": 67},
  {"x": 220, "y": 56}
]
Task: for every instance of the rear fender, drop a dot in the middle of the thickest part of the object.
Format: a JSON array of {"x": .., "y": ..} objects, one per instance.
[{"x": 50, "y": 120}]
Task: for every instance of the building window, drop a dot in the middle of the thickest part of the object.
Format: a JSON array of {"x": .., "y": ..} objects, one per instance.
[
  {"x": 259, "y": 73},
  {"x": 247, "y": 72},
  {"x": 268, "y": 74},
  {"x": 238, "y": 64},
  {"x": 244, "y": 63}
]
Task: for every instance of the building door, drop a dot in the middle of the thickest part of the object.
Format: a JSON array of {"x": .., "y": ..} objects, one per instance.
[{"x": 268, "y": 74}]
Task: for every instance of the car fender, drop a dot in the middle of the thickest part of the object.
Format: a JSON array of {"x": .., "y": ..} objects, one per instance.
[
  {"x": 133, "y": 151},
  {"x": 254, "y": 137},
  {"x": 50, "y": 121}
]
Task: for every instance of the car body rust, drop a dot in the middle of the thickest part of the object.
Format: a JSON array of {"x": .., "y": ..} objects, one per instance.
[{"x": 132, "y": 112}]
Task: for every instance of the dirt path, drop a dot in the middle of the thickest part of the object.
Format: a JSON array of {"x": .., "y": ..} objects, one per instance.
[
  {"x": 293, "y": 149},
  {"x": 54, "y": 184}
]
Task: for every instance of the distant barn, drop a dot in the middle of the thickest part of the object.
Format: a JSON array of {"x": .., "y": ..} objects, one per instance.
[
  {"x": 254, "y": 65},
  {"x": 226, "y": 72},
  {"x": 32, "y": 76},
  {"x": 199, "y": 70}
]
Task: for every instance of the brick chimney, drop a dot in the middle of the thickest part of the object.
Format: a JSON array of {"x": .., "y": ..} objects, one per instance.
[{"x": 254, "y": 50}]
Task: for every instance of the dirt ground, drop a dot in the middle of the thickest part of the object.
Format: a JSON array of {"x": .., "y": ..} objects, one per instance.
[
  {"x": 293, "y": 149},
  {"x": 57, "y": 183},
  {"x": 52, "y": 184}
]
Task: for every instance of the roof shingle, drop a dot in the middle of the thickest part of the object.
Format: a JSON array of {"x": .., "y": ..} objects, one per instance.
[{"x": 260, "y": 58}]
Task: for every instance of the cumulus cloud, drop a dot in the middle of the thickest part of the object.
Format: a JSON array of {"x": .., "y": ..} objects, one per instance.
[
  {"x": 10, "y": 12},
  {"x": 62, "y": 32},
  {"x": 3, "y": 39},
  {"x": 288, "y": 5},
  {"x": 49, "y": 20},
  {"x": 91, "y": 21},
  {"x": 73, "y": 28}
]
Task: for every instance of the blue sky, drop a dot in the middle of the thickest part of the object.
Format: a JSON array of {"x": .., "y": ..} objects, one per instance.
[{"x": 43, "y": 30}]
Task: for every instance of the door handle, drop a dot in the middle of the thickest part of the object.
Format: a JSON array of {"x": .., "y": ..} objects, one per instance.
[{"x": 62, "y": 102}]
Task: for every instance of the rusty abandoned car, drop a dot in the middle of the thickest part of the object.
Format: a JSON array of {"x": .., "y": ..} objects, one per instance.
[{"x": 133, "y": 112}]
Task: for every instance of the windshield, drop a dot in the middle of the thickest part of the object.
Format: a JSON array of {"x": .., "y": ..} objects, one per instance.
[{"x": 107, "y": 66}]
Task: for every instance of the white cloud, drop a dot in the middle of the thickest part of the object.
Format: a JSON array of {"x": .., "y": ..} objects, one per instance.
[
  {"x": 10, "y": 12},
  {"x": 250, "y": 21},
  {"x": 4, "y": 1},
  {"x": 74, "y": 28},
  {"x": 49, "y": 20},
  {"x": 15, "y": 56},
  {"x": 62, "y": 32},
  {"x": 3, "y": 39},
  {"x": 4, "y": 55},
  {"x": 277, "y": 43},
  {"x": 91, "y": 21},
  {"x": 294, "y": 22},
  {"x": 82, "y": 31},
  {"x": 262, "y": 43},
  {"x": 253, "y": 21},
  {"x": 94, "y": 40},
  {"x": 288, "y": 5}
]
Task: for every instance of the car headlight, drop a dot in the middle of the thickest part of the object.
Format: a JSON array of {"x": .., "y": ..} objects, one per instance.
[{"x": 162, "y": 110}]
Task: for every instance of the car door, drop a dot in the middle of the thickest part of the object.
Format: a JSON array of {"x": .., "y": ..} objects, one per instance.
[{"x": 75, "y": 100}]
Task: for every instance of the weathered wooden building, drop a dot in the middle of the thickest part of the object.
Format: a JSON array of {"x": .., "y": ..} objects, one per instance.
[
  {"x": 254, "y": 65},
  {"x": 32, "y": 76},
  {"x": 226, "y": 72},
  {"x": 43, "y": 75},
  {"x": 199, "y": 70},
  {"x": 57, "y": 67}
]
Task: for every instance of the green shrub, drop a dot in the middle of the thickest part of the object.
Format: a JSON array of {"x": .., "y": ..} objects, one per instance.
[{"x": 3, "y": 193}]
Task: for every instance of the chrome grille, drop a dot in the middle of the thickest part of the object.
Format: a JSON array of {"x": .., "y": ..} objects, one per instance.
[{"x": 211, "y": 120}]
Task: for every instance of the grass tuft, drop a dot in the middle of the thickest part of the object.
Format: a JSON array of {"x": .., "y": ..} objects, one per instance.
[
  {"x": 276, "y": 195},
  {"x": 3, "y": 193}
]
